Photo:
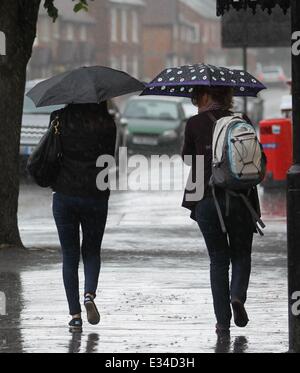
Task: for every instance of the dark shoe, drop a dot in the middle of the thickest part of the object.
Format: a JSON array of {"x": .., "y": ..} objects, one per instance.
[
  {"x": 93, "y": 315},
  {"x": 240, "y": 315},
  {"x": 222, "y": 331},
  {"x": 75, "y": 326},
  {"x": 224, "y": 341}
]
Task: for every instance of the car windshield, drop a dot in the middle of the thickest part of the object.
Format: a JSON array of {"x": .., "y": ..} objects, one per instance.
[
  {"x": 271, "y": 70},
  {"x": 29, "y": 108},
  {"x": 189, "y": 110},
  {"x": 144, "y": 109}
]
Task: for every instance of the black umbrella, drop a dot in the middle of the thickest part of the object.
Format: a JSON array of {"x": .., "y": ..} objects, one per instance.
[
  {"x": 181, "y": 81},
  {"x": 84, "y": 85}
]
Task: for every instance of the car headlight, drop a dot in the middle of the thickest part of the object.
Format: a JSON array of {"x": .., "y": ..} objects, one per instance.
[
  {"x": 124, "y": 122},
  {"x": 170, "y": 135}
]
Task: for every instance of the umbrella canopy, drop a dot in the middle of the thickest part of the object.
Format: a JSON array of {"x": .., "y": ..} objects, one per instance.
[
  {"x": 84, "y": 85},
  {"x": 181, "y": 81}
]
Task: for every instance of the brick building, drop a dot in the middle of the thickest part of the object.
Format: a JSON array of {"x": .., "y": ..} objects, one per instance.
[
  {"x": 66, "y": 44},
  {"x": 202, "y": 14},
  {"x": 138, "y": 36},
  {"x": 178, "y": 32},
  {"x": 119, "y": 31}
]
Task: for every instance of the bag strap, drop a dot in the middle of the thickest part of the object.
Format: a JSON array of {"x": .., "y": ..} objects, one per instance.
[
  {"x": 223, "y": 226},
  {"x": 227, "y": 196},
  {"x": 212, "y": 117},
  {"x": 259, "y": 224}
]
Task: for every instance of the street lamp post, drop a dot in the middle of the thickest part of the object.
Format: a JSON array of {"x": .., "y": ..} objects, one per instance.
[
  {"x": 293, "y": 197},
  {"x": 293, "y": 177}
]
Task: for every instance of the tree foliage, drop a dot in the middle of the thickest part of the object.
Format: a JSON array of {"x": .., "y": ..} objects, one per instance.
[{"x": 53, "y": 11}]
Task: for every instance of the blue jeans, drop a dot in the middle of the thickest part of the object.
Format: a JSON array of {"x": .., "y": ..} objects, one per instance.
[
  {"x": 234, "y": 248},
  {"x": 91, "y": 214}
]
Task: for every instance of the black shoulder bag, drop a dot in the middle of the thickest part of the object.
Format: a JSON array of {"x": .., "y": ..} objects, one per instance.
[{"x": 44, "y": 163}]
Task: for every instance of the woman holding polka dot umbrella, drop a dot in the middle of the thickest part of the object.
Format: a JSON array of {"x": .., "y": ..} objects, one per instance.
[
  {"x": 181, "y": 81},
  {"x": 211, "y": 90}
]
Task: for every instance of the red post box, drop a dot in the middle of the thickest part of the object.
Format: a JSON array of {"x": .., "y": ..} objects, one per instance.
[{"x": 276, "y": 138}]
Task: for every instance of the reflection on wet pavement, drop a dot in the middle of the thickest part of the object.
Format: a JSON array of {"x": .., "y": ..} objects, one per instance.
[
  {"x": 225, "y": 345},
  {"x": 154, "y": 291},
  {"x": 153, "y": 304},
  {"x": 76, "y": 346},
  {"x": 274, "y": 204}
]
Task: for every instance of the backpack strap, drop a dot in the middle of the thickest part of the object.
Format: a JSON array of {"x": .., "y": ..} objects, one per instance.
[
  {"x": 259, "y": 224},
  {"x": 223, "y": 226},
  {"x": 212, "y": 117},
  {"x": 256, "y": 219},
  {"x": 227, "y": 196}
]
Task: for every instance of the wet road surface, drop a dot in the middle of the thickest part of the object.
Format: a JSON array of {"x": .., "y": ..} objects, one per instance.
[{"x": 154, "y": 291}]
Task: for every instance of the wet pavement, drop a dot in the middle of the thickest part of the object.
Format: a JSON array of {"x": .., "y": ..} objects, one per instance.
[{"x": 154, "y": 292}]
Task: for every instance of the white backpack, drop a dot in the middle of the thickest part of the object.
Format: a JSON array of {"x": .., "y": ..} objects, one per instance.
[{"x": 239, "y": 163}]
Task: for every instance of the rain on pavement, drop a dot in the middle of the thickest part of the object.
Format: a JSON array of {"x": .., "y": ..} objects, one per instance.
[{"x": 154, "y": 293}]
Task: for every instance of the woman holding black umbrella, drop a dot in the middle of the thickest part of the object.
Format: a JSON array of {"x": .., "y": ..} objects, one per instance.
[{"x": 86, "y": 131}]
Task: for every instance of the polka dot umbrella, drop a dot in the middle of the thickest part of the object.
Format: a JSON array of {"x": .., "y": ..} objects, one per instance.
[{"x": 181, "y": 81}]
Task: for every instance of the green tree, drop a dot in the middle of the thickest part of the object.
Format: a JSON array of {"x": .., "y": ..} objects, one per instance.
[{"x": 18, "y": 21}]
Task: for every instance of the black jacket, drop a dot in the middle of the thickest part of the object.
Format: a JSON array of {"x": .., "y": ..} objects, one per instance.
[{"x": 81, "y": 147}]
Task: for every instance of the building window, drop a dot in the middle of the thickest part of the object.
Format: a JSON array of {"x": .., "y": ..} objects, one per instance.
[
  {"x": 216, "y": 34},
  {"x": 114, "y": 24},
  {"x": 175, "y": 32},
  {"x": 114, "y": 63},
  {"x": 135, "y": 27},
  {"x": 195, "y": 34},
  {"x": 83, "y": 33},
  {"x": 189, "y": 35},
  {"x": 206, "y": 34},
  {"x": 124, "y": 62},
  {"x": 69, "y": 32},
  {"x": 172, "y": 60},
  {"x": 44, "y": 30},
  {"x": 135, "y": 67},
  {"x": 56, "y": 30},
  {"x": 124, "y": 25},
  {"x": 183, "y": 35}
]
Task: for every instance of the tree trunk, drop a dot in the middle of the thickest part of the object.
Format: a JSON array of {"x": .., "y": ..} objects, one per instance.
[{"x": 18, "y": 21}]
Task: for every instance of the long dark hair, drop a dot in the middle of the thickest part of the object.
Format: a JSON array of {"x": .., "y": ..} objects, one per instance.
[{"x": 93, "y": 117}]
